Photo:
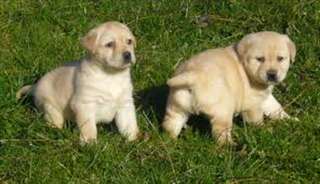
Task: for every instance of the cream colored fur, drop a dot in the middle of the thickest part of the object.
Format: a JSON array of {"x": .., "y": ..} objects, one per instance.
[
  {"x": 96, "y": 89},
  {"x": 224, "y": 81}
]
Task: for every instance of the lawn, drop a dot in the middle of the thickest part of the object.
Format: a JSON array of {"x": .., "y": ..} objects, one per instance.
[{"x": 37, "y": 36}]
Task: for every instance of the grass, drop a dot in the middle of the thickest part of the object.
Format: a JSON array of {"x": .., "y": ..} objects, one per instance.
[{"x": 37, "y": 36}]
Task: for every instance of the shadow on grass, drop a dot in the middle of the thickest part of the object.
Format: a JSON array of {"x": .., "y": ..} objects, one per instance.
[
  {"x": 28, "y": 101},
  {"x": 153, "y": 102}
]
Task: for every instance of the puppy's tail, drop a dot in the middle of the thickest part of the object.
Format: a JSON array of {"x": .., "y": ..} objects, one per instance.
[
  {"x": 184, "y": 79},
  {"x": 23, "y": 91}
]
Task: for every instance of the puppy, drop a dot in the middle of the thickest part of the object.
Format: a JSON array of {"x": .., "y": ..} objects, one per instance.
[
  {"x": 96, "y": 89},
  {"x": 236, "y": 79}
]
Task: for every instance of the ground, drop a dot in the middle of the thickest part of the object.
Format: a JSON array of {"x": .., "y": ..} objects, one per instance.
[{"x": 37, "y": 36}]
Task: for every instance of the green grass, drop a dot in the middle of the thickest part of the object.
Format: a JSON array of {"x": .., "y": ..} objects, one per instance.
[{"x": 37, "y": 36}]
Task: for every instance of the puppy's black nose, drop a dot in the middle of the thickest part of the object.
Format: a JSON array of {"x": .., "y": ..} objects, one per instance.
[
  {"x": 126, "y": 56},
  {"x": 272, "y": 76}
]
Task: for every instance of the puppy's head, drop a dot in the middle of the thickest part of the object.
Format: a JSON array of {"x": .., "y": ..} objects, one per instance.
[
  {"x": 266, "y": 56},
  {"x": 111, "y": 45}
]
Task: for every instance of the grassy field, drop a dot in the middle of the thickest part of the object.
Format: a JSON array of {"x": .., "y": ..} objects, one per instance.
[{"x": 37, "y": 36}]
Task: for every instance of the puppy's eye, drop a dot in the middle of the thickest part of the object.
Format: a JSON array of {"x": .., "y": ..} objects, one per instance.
[
  {"x": 129, "y": 41},
  {"x": 110, "y": 44},
  {"x": 260, "y": 59},
  {"x": 280, "y": 59}
]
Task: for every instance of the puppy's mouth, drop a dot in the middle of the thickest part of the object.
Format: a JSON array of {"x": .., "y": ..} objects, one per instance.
[
  {"x": 272, "y": 82},
  {"x": 125, "y": 65},
  {"x": 115, "y": 66},
  {"x": 127, "y": 59}
]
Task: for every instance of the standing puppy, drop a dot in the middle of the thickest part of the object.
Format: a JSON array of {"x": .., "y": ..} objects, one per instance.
[
  {"x": 96, "y": 89},
  {"x": 225, "y": 81}
]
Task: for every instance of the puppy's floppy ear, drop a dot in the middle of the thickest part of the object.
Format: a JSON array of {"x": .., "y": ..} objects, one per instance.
[
  {"x": 124, "y": 26},
  {"x": 242, "y": 46},
  {"x": 89, "y": 41},
  {"x": 292, "y": 48}
]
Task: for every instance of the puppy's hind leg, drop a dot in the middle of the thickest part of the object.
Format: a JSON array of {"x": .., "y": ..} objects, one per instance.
[
  {"x": 221, "y": 129},
  {"x": 221, "y": 123},
  {"x": 177, "y": 112},
  {"x": 174, "y": 121},
  {"x": 53, "y": 116}
]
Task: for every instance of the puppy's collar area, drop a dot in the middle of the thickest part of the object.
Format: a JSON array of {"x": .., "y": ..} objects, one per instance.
[
  {"x": 258, "y": 85},
  {"x": 105, "y": 67}
]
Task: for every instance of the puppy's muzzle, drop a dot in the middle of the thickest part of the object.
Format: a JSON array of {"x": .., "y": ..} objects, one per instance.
[
  {"x": 272, "y": 76},
  {"x": 127, "y": 58}
]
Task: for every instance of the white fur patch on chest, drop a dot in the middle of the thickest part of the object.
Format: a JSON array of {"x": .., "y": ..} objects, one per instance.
[
  {"x": 104, "y": 93},
  {"x": 105, "y": 112}
]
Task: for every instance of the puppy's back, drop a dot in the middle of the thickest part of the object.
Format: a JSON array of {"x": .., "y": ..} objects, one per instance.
[
  {"x": 210, "y": 64},
  {"x": 57, "y": 85}
]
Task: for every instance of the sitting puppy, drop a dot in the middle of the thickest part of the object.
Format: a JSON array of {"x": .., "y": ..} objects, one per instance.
[
  {"x": 96, "y": 89},
  {"x": 225, "y": 81}
]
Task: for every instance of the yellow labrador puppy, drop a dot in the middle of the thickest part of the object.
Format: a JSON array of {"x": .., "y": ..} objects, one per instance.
[
  {"x": 96, "y": 89},
  {"x": 236, "y": 79}
]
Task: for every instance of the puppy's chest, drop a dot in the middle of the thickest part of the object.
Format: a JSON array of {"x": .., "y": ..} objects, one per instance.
[{"x": 106, "y": 96}]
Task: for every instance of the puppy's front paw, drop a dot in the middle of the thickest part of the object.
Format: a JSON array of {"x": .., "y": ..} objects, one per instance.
[
  {"x": 134, "y": 136},
  {"x": 256, "y": 123},
  {"x": 284, "y": 115},
  {"x": 55, "y": 125},
  {"x": 88, "y": 137},
  {"x": 225, "y": 139},
  {"x": 143, "y": 136},
  {"x": 253, "y": 117},
  {"x": 87, "y": 141},
  {"x": 169, "y": 129}
]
